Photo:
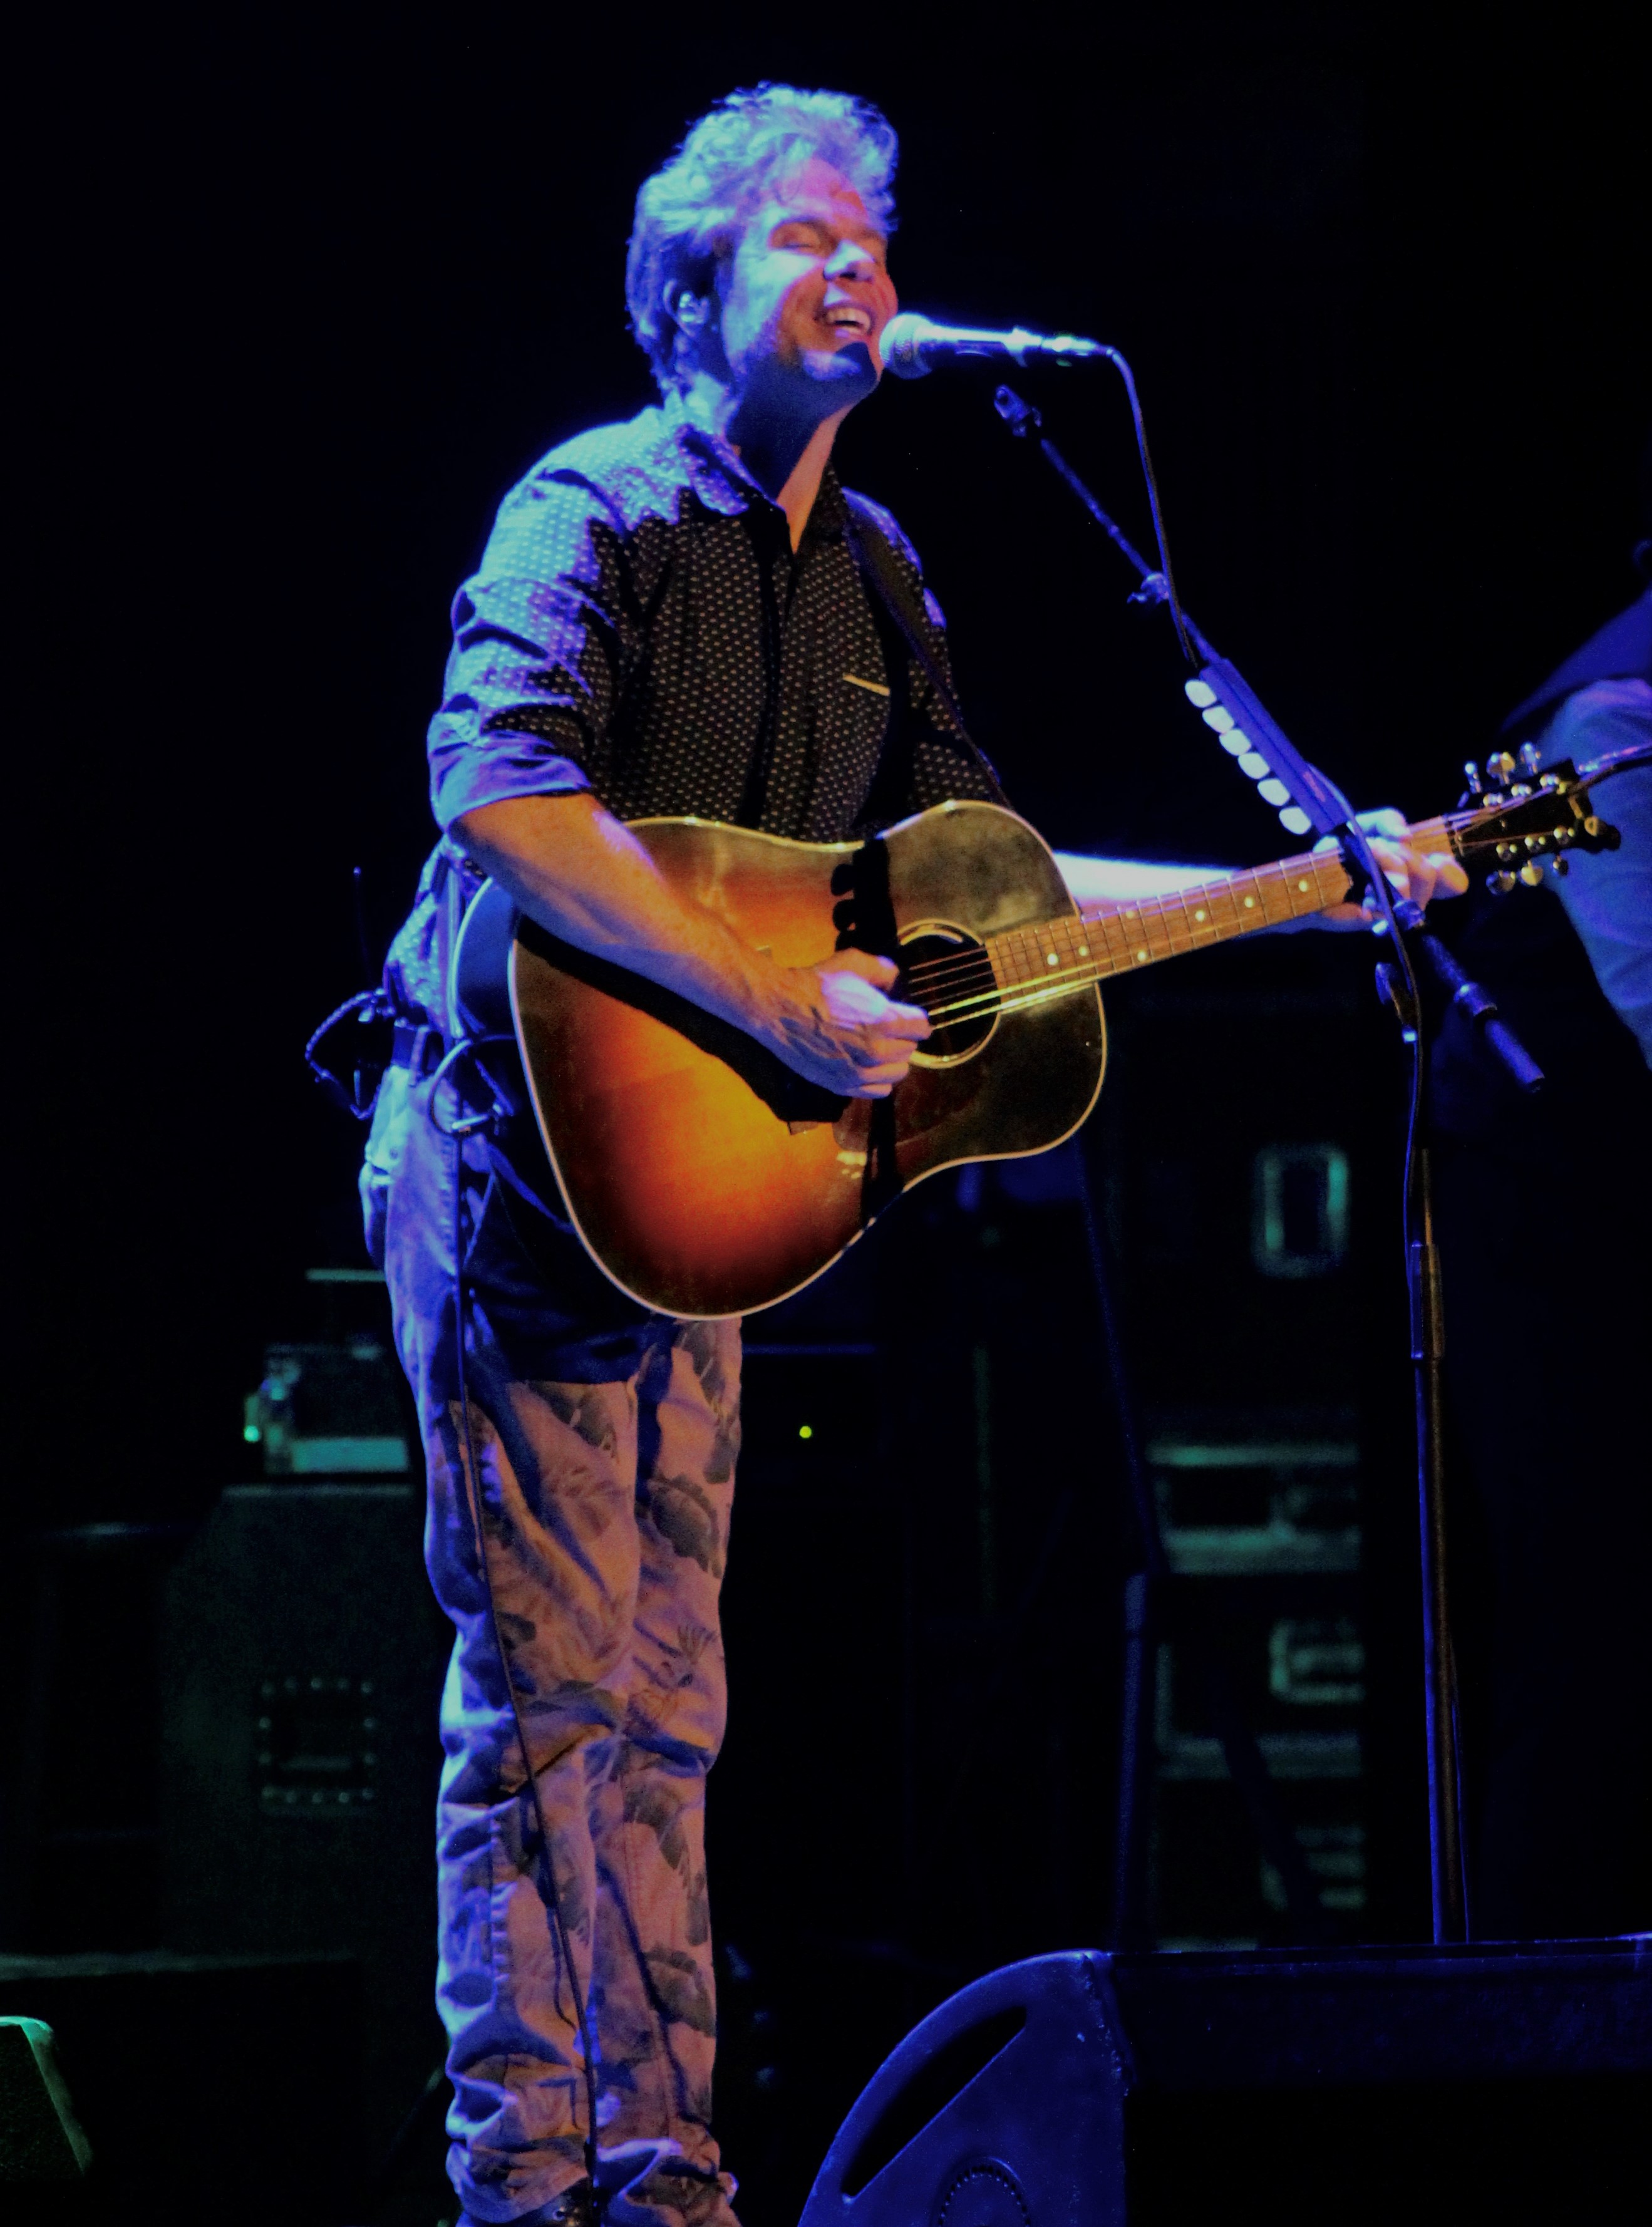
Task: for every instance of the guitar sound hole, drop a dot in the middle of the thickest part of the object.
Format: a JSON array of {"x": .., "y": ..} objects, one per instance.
[{"x": 942, "y": 966}]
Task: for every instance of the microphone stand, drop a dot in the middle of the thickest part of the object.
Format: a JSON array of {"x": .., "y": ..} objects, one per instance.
[{"x": 1415, "y": 949}]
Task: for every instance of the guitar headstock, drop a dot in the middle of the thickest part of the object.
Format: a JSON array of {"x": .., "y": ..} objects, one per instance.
[{"x": 1518, "y": 815}]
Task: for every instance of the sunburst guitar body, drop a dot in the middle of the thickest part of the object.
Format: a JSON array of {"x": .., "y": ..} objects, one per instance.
[{"x": 704, "y": 1177}]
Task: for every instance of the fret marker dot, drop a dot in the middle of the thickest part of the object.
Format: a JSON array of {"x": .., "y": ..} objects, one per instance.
[
  {"x": 1302, "y": 886},
  {"x": 1250, "y": 904},
  {"x": 1141, "y": 957},
  {"x": 1200, "y": 914},
  {"x": 1084, "y": 951},
  {"x": 1050, "y": 958}
]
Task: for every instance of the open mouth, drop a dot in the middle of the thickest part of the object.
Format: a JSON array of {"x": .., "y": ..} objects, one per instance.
[{"x": 844, "y": 317}]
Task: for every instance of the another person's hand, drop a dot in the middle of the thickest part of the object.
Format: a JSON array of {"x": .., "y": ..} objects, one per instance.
[
  {"x": 1422, "y": 875},
  {"x": 835, "y": 1024}
]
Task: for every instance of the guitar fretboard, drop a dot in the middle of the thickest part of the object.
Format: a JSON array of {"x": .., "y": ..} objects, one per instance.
[{"x": 1030, "y": 964}]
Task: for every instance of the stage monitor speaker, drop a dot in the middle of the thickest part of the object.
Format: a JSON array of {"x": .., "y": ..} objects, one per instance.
[
  {"x": 1284, "y": 2086},
  {"x": 301, "y": 1662}
]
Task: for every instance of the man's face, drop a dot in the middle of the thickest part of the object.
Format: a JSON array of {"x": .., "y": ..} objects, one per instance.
[{"x": 805, "y": 294}]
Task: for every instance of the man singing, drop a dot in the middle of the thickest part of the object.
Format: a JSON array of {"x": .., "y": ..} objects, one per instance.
[{"x": 669, "y": 618}]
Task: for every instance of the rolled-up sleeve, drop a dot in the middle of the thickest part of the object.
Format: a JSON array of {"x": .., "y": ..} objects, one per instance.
[{"x": 539, "y": 646}]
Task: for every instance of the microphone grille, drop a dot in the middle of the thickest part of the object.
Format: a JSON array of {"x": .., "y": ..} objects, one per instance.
[{"x": 902, "y": 345}]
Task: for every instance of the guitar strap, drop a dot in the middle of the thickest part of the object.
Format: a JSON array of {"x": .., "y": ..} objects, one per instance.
[{"x": 879, "y": 567}]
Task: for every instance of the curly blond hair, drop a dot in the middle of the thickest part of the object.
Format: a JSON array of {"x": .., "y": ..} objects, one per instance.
[{"x": 690, "y": 212}]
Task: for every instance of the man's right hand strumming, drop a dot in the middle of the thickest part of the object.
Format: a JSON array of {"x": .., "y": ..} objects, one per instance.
[
  {"x": 836, "y": 1024},
  {"x": 581, "y": 874}
]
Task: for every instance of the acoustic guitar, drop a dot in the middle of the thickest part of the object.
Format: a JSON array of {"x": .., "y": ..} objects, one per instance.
[{"x": 706, "y": 1178}]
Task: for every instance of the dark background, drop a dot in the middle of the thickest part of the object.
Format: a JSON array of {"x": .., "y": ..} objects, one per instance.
[
  {"x": 314, "y": 287},
  {"x": 308, "y": 291}
]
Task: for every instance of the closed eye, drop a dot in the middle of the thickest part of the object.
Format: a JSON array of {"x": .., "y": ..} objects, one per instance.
[{"x": 822, "y": 239}]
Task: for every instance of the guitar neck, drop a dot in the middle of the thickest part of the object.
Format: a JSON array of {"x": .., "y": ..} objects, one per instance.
[{"x": 1030, "y": 964}]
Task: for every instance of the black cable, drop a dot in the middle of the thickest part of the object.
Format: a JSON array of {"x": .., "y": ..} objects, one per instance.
[
  {"x": 1175, "y": 602},
  {"x": 366, "y": 1004},
  {"x": 548, "y": 1893}
]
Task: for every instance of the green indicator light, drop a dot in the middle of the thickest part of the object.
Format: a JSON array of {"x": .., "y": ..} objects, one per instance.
[
  {"x": 805, "y": 1430},
  {"x": 251, "y": 1433}
]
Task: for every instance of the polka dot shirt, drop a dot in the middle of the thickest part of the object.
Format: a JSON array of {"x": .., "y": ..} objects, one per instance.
[{"x": 639, "y": 626}]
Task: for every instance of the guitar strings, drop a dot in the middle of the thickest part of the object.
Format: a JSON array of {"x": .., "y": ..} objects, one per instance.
[
  {"x": 1148, "y": 909},
  {"x": 939, "y": 977},
  {"x": 1016, "y": 996},
  {"x": 932, "y": 978}
]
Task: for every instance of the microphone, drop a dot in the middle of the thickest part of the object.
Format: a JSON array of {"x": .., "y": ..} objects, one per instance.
[{"x": 912, "y": 345}]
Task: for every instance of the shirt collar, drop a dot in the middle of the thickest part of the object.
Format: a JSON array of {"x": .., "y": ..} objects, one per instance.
[
  {"x": 826, "y": 519},
  {"x": 724, "y": 484},
  {"x": 715, "y": 473}
]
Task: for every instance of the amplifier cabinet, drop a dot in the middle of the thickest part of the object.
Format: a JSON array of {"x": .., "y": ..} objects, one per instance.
[{"x": 302, "y": 1661}]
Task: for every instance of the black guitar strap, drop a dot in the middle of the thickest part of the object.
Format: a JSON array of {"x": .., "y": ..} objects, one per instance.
[{"x": 876, "y": 562}]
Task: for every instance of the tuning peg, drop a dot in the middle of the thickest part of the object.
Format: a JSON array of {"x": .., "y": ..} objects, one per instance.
[
  {"x": 1530, "y": 757},
  {"x": 1499, "y": 766},
  {"x": 1499, "y": 884},
  {"x": 1561, "y": 865},
  {"x": 1532, "y": 873},
  {"x": 1471, "y": 776}
]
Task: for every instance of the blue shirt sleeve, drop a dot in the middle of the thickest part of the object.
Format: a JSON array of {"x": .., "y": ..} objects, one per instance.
[
  {"x": 1608, "y": 894},
  {"x": 538, "y": 644}
]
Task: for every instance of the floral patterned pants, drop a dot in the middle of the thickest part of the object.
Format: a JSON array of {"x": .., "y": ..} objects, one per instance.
[{"x": 604, "y": 1464}]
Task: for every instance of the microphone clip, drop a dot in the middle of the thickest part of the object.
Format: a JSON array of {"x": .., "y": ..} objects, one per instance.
[{"x": 1020, "y": 417}]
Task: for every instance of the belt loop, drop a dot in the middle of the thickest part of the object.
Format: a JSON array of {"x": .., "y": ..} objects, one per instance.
[{"x": 417, "y": 1050}]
